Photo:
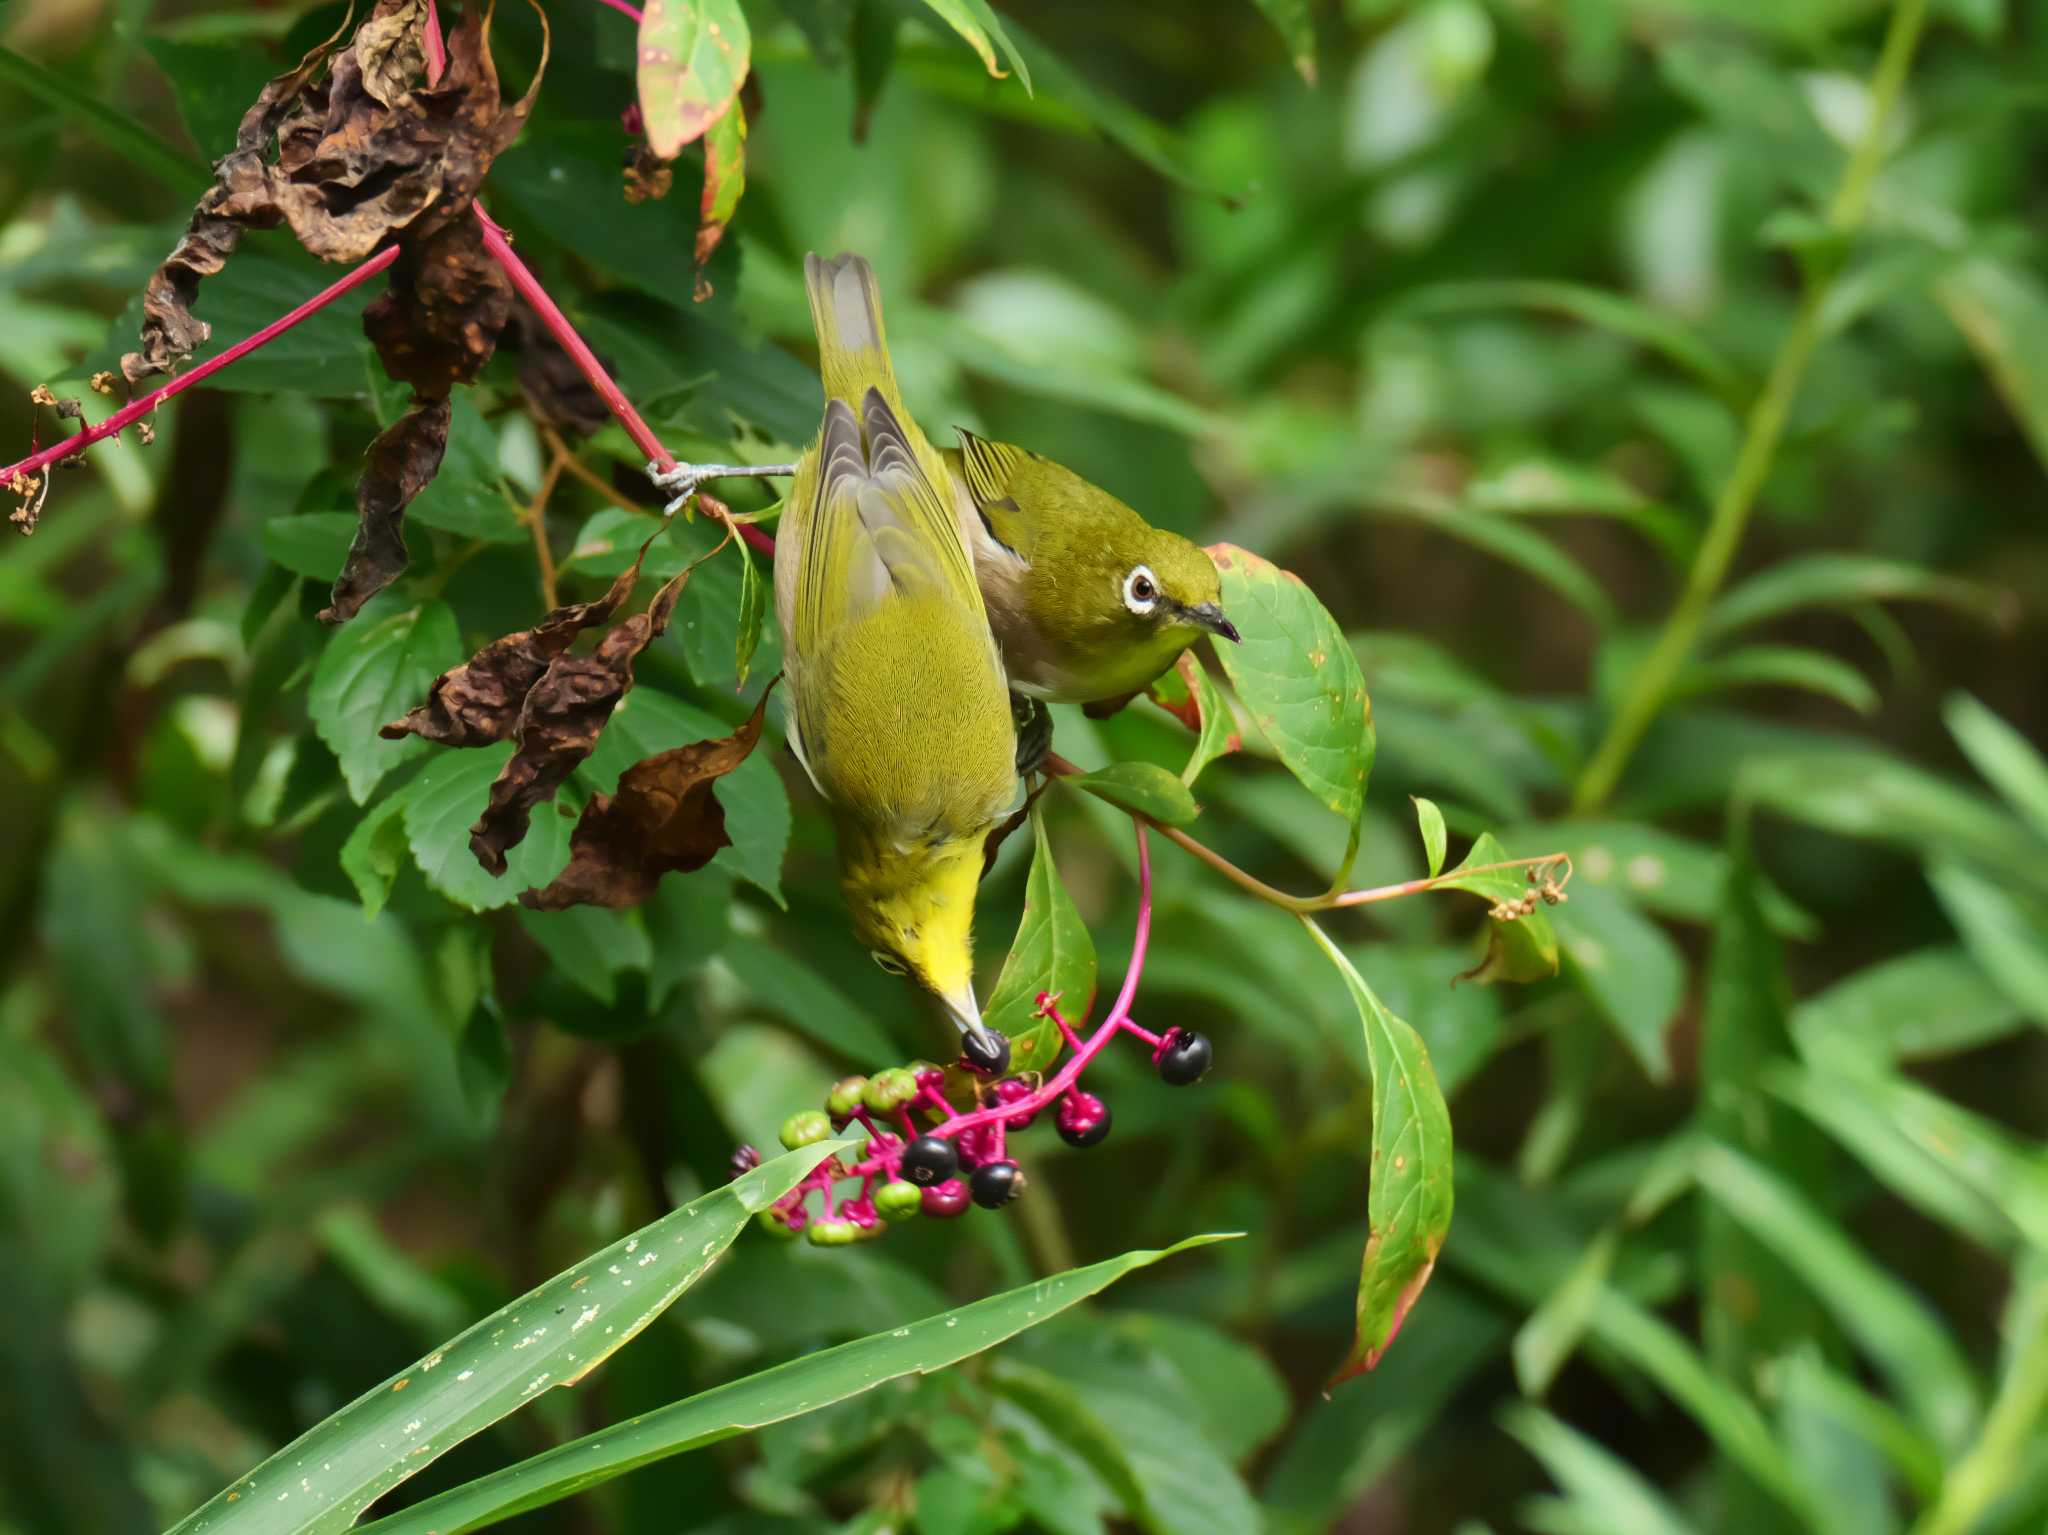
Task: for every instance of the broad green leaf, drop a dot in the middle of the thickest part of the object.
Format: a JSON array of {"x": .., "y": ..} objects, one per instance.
[
  {"x": 371, "y": 672},
  {"x": 1551, "y": 1335},
  {"x": 552, "y": 1336},
  {"x": 214, "y": 84},
  {"x": 1604, "y": 1491},
  {"x": 1904, "y": 1339},
  {"x": 1143, "y": 788},
  {"x": 786, "y": 1391},
  {"x": 789, "y": 988},
  {"x": 1627, "y": 965},
  {"x": 1051, "y": 953},
  {"x": 121, "y": 133},
  {"x": 466, "y": 495},
  {"x": 312, "y": 545},
  {"x": 589, "y": 946},
  {"x": 1930, "y": 1002},
  {"x": 693, "y": 58},
  {"x": 1298, "y": 677},
  {"x": 1291, "y": 19},
  {"x": 753, "y": 610},
  {"x": 1217, "y": 735},
  {"x": 1843, "y": 578},
  {"x": 756, "y": 805},
  {"x": 1875, "y": 1421},
  {"x": 441, "y": 805},
  {"x": 375, "y": 851},
  {"x": 1408, "y": 1208},
  {"x": 2005, "y": 929},
  {"x": 1677, "y": 342},
  {"x": 1521, "y": 948},
  {"x": 2008, "y": 761},
  {"x": 2002, "y": 310},
  {"x": 983, "y": 31},
  {"x": 1779, "y": 666},
  {"x": 1431, "y": 821}
]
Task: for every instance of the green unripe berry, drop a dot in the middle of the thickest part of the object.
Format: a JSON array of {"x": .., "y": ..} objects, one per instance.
[
  {"x": 899, "y": 1200},
  {"x": 832, "y": 1233},
  {"x": 776, "y": 1224},
  {"x": 845, "y": 1097},
  {"x": 890, "y": 1090},
  {"x": 805, "y": 1128}
]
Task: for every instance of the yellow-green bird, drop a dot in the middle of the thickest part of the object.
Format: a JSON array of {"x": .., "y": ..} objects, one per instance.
[
  {"x": 897, "y": 704},
  {"x": 1088, "y": 600}
]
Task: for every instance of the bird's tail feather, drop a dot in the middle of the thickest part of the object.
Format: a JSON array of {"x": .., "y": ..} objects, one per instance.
[{"x": 846, "y": 309}]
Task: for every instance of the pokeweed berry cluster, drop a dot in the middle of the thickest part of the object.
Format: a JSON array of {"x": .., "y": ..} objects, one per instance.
[{"x": 925, "y": 1155}]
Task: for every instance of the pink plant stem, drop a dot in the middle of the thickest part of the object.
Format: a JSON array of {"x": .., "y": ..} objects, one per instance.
[
  {"x": 135, "y": 410},
  {"x": 1145, "y": 1034},
  {"x": 437, "y": 51},
  {"x": 622, "y": 8}
]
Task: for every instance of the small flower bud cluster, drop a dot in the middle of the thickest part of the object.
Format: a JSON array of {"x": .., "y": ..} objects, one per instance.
[{"x": 1549, "y": 889}]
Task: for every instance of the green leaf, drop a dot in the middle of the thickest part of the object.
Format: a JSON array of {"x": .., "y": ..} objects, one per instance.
[
  {"x": 979, "y": 25},
  {"x": 441, "y": 805},
  {"x": 371, "y": 673},
  {"x": 312, "y": 545},
  {"x": 1627, "y": 965},
  {"x": 1603, "y": 1491},
  {"x": 2008, "y": 761},
  {"x": 552, "y": 1336},
  {"x": 1298, "y": 677},
  {"x": 1051, "y": 953},
  {"x": 1551, "y": 1335},
  {"x": 214, "y": 84},
  {"x": 2002, "y": 311},
  {"x": 1779, "y": 666},
  {"x": 1677, "y": 342},
  {"x": 1930, "y": 1002},
  {"x": 1408, "y": 1208},
  {"x": 375, "y": 851},
  {"x": 1842, "y": 579},
  {"x": 753, "y": 610},
  {"x": 117, "y": 130},
  {"x": 1522, "y": 948},
  {"x": 1431, "y": 821},
  {"x": 2006, "y": 1453},
  {"x": 787, "y": 1391},
  {"x": 1218, "y": 736},
  {"x": 1507, "y": 539},
  {"x": 2005, "y": 929},
  {"x": 693, "y": 58},
  {"x": 589, "y": 945},
  {"x": 791, "y": 989},
  {"x": 1905, "y": 1340},
  {"x": 1291, "y": 19},
  {"x": 466, "y": 495},
  {"x": 1143, "y": 788}
]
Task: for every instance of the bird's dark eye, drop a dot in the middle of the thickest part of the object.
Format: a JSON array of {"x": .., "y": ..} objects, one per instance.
[
  {"x": 1141, "y": 590},
  {"x": 889, "y": 962}
]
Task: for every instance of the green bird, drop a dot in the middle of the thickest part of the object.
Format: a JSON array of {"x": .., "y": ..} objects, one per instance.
[
  {"x": 897, "y": 704},
  {"x": 1088, "y": 600}
]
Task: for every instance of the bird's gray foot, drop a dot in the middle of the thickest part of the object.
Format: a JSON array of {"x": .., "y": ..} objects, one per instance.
[{"x": 685, "y": 480}]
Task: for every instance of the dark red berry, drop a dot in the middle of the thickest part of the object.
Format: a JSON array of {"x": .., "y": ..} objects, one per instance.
[
  {"x": 1183, "y": 1057},
  {"x": 945, "y": 1200},
  {"x": 987, "y": 1052},
  {"x": 996, "y": 1184},
  {"x": 1010, "y": 1090},
  {"x": 929, "y": 1160},
  {"x": 1083, "y": 1120}
]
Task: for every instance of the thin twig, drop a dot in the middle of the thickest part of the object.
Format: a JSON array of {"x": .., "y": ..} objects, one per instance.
[{"x": 536, "y": 518}]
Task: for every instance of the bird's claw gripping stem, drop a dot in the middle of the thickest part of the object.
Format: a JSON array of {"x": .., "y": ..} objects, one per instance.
[{"x": 685, "y": 480}]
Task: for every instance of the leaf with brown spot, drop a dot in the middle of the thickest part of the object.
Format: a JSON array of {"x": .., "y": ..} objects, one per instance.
[
  {"x": 479, "y": 702},
  {"x": 665, "y": 818},
  {"x": 694, "y": 56},
  {"x": 396, "y": 468},
  {"x": 563, "y": 715},
  {"x": 725, "y": 178}
]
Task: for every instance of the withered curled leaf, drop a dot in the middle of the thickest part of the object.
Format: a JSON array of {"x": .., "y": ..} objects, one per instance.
[
  {"x": 391, "y": 50},
  {"x": 478, "y": 702},
  {"x": 666, "y": 818},
  {"x": 438, "y": 322},
  {"x": 563, "y": 715},
  {"x": 552, "y": 384},
  {"x": 396, "y": 468}
]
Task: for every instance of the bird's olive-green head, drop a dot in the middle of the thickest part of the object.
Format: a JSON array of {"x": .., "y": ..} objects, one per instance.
[{"x": 1087, "y": 598}]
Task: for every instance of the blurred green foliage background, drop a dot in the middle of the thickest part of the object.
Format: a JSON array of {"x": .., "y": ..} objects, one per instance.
[{"x": 1466, "y": 329}]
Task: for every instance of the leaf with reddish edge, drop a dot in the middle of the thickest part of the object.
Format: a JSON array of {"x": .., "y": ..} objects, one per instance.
[
  {"x": 1520, "y": 948},
  {"x": 1408, "y": 1209},
  {"x": 725, "y": 178},
  {"x": 1190, "y": 696},
  {"x": 1298, "y": 677},
  {"x": 1052, "y": 954},
  {"x": 694, "y": 56}
]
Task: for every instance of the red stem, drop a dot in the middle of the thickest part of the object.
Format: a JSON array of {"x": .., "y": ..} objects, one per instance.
[
  {"x": 135, "y": 410},
  {"x": 622, "y": 8}
]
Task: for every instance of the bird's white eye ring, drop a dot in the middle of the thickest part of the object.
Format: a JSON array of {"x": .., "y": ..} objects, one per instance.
[
  {"x": 889, "y": 962},
  {"x": 1141, "y": 590}
]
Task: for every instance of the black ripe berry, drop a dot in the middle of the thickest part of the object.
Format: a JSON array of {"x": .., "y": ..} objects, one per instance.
[
  {"x": 995, "y": 1184},
  {"x": 1184, "y": 1057},
  {"x": 930, "y": 1160},
  {"x": 987, "y": 1053},
  {"x": 1083, "y": 1120}
]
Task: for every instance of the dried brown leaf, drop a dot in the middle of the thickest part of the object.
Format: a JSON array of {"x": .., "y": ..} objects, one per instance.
[
  {"x": 438, "y": 323},
  {"x": 479, "y": 702},
  {"x": 396, "y": 468},
  {"x": 554, "y": 386},
  {"x": 666, "y": 818},
  {"x": 391, "y": 50},
  {"x": 559, "y": 722}
]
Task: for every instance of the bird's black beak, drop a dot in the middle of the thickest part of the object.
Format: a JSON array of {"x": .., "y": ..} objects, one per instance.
[{"x": 1206, "y": 615}]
